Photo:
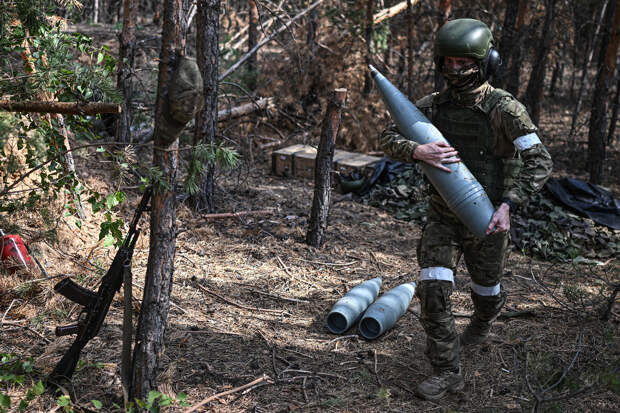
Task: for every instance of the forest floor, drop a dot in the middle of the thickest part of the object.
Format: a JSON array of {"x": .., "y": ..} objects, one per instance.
[{"x": 250, "y": 299}]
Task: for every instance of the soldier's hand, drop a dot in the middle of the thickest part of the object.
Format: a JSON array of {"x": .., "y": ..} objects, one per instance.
[
  {"x": 436, "y": 154},
  {"x": 500, "y": 221}
]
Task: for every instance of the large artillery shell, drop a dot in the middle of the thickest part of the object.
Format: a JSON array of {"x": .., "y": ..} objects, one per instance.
[
  {"x": 462, "y": 192},
  {"x": 350, "y": 307},
  {"x": 383, "y": 313}
]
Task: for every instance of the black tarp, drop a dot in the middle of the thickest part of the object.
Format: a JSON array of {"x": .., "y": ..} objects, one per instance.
[{"x": 586, "y": 199}]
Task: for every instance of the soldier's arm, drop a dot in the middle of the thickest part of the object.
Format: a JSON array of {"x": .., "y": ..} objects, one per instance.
[
  {"x": 395, "y": 145},
  {"x": 519, "y": 129}
]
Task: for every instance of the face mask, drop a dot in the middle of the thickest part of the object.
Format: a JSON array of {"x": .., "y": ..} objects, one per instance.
[{"x": 463, "y": 79}]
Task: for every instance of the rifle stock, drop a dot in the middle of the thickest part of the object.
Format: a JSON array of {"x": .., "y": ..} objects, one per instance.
[{"x": 96, "y": 305}]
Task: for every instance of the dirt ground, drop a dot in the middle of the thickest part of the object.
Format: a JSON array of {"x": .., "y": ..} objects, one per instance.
[{"x": 250, "y": 299}]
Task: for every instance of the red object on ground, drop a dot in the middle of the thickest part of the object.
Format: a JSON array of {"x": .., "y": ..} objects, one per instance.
[{"x": 14, "y": 253}]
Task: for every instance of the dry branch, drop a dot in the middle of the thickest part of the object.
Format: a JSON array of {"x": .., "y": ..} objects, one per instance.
[
  {"x": 242, "y": 110},
  {"x": 391, "y": 11},
  {"x": 68, "y": 108},
  {"x": 266, "y": 40},
  {"x": 226, "y": 393},
  {"x": 225, "y": 215}
]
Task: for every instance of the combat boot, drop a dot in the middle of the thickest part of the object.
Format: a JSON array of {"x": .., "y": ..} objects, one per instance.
[
  {"x": 475, "y": 333},
  {"x": 486, "y": 310},
  {"x": 436, "y": 386}
]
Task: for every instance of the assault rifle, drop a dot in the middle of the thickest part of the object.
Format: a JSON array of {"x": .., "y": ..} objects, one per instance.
[{"x": 96, "y": 305}]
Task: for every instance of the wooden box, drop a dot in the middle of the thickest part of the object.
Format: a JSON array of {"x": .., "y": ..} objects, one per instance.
[
  {"x": 282, "y": 160},
  {"x": 303, "y": 162},
  {"x": 360, "y": 163}
]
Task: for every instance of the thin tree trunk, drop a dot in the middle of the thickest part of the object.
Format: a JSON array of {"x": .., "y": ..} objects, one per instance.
[
  {"x": 207, "y": 39},
  {"x": 508, "y": 39},
  {"x": 614, "y": 115},
  {"x": 584, "y": 72},
  {"x": 512, "y": 80},
  {"x": 368, "y": 34},
  {"x": 252, "y": 40},
  {"x": 124, "y": 80},
  {"x": 96, "y": 11},
  {"x": 322, "y": 170},
  {"x": 445, "y": 9},
  {"x": 313, "y": 27},
  {"x": 558, "y": 71},
  {"x": 535, "y": 87},
  {"x": 179, "y": 96},
  {"x": 410, "y": 51},
  {"x": 600, "y": 100}
]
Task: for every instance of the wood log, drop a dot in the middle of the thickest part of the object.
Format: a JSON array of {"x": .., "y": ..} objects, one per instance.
[
  {"x": 391, "y": 11},
  {"x": 68, "y": 108},
  {"x": 246, "y": 108},
  {"x": 322, "y": 176},
  {"x": 225, "y": 215}
]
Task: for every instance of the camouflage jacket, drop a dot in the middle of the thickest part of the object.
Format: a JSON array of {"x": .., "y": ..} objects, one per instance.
[{"x": 509, "y": 121}]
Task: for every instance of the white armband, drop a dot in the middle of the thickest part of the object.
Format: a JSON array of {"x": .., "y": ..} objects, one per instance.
[{"x": 526, "y": 141}]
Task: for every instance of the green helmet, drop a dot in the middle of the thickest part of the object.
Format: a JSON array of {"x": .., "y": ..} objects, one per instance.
[{"x": 467, "y": 38}]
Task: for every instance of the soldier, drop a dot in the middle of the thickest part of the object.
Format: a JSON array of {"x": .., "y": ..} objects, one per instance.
[{"x": 491, "y": 132}]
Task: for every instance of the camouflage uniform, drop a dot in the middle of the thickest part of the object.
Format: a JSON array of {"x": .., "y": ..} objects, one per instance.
[{"x": 511, "y": 163}]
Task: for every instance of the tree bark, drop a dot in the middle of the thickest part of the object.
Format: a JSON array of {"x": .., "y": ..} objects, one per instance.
[
  {"x": 601, "y": 98},
  {"x": 322, "y": 170},
  {"x": 614, "y": 114},
  {"x": 368, "y": 34},
  {"x": 410, "y": 51},
  {"x": 124, "y": 81},
  {"x": 207, "y": 40},
  {"x": 252, "y": 40},
  {"x": 535, "y": 87},
  {"x": 445, "y": 9},
  {"x": 512, "y": 80},
  {"x": 558, "y": 71},
  {"x": 179, "y": 96},
  {"x": 507, "y": 41}
]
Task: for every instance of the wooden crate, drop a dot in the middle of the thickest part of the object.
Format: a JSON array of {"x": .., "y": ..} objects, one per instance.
[
  {"x": 282, "y": 160},
  {"x": 360, "y": 163},
  {"x": 304, "y": 162}
]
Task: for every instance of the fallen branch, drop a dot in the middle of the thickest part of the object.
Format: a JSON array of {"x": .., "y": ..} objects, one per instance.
[
  {"x": 69, "y": 108},
  {"x": 239, "y": 305},
  {"x": 238, "y": 111},
  {"x": 225, "y": 215},
  {"x": 391, "y": 11},
  {"x": 264, "y": 378}
]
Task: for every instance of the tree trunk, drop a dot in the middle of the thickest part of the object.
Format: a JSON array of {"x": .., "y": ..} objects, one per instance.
[
  {"x": 587, "y": 60},
  {"x": 410, "y": 51},
  {"x": 179, "y": 96},
  {"x": 512, "y": 80},
  {"x": 614, "y": 115},
  {"x": 96, "y": 11},
  {"x": 601, "y": 98},
  {"x": 252, "y": 40},
  {"x": 558, "y": 72},
  {"x": 508, "y": 39},
  {"x": 445, "y": 9},
  {"x": 207, "y": 39},
  {"x": 368, "y": 33},
  {"x": 322, "y": 169},
  {"x": 535, "y": 87},
  {"x": 124, "y": 81}
]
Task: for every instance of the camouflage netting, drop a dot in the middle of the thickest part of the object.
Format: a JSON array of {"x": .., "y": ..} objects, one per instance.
[{"x": 542, "y": 228}]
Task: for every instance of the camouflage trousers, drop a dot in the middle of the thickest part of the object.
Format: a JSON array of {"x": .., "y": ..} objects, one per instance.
[{"x": 444, "y": 240}]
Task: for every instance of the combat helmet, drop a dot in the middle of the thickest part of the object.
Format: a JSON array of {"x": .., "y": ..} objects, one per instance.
[{"x": 468, "y": 38}]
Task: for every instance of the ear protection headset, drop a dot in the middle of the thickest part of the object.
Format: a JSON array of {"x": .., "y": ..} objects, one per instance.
[{"x": 492, "y": 64}]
